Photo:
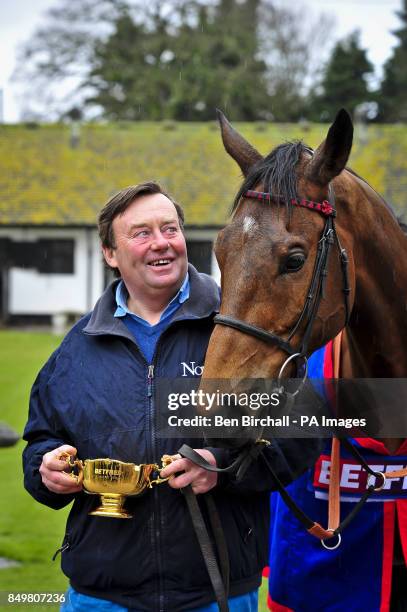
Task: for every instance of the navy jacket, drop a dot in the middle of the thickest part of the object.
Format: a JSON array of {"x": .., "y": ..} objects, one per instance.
[{"x": 95, "y": 393}]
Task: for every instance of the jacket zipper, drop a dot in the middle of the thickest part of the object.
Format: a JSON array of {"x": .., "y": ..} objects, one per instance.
[
  {"x": 159, "y": 518},
  {"x": 156, "y": 529},
  {"x": 150, "y": 377}
]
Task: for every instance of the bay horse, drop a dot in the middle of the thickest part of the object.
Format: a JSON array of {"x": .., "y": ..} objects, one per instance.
[
  {"x": 311, "y": 250},
  {"x": 267, "y": 257}
]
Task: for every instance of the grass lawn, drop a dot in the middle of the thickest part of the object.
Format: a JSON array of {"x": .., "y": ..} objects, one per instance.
[{"x": 29, "y": 532}]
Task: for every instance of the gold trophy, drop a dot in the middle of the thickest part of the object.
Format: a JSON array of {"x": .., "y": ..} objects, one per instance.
[{"x": 114, "y": 480}]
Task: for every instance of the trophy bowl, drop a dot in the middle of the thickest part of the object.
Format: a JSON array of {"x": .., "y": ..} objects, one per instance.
[{"x": 114, "y": 480}]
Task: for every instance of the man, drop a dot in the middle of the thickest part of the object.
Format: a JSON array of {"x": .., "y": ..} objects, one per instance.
[{"x": 95, "y": 397}]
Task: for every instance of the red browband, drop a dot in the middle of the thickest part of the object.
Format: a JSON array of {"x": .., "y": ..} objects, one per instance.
[{"x": 325, "y": 208}]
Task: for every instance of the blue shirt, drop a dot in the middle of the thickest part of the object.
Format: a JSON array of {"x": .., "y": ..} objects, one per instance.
[
  {"x": 77, "y": 602},
  {"x": 147, "y": 335}
]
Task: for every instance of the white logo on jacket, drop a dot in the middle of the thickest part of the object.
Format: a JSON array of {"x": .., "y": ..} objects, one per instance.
[{"x": 192, "y": 369}]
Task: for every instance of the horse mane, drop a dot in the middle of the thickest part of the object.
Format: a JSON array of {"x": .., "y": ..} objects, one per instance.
[{"x": 277, "y": 172}]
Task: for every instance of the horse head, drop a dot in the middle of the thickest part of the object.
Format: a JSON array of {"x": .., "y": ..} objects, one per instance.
[
  {"x": 311, "y": 249},
  {"x": 268, "y": 254}
]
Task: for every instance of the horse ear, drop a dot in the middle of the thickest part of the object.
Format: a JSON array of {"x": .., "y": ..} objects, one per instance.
[
  {"x": 331, "y": 156},
  {"x": 237, "y": 147}
]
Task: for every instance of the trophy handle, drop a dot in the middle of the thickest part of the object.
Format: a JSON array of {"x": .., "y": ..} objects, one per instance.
[
  {"x": 72, "y": 463},
  {"x": 165, "y": 460}
]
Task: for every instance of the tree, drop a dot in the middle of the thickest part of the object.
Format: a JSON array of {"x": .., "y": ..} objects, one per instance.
[
  {"x": 127, "y": 72},
  {"x": 393, "y": 91},
  {"x": 293, "y": 43},
  {"x": 208, "y": 60},
  {"x": 179, "y": 59},
  {"x": 52, "y": 66},
  {"x": 345, "y": 80}
]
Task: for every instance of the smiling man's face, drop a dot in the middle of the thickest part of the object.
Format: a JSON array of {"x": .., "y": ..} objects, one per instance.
[{"x": 150, "y": 250}]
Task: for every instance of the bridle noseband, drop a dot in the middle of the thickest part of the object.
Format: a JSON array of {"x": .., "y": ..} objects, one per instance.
[{"x": 317, "y": 286}]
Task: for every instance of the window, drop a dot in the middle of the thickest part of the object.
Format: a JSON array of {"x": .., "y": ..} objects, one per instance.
[
  {"x": 47, "y": 255},
  {"x": 55, "y": 256}
]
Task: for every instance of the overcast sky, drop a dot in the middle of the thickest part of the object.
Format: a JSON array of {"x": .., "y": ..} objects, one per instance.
[{"x": 375, "y": 19}]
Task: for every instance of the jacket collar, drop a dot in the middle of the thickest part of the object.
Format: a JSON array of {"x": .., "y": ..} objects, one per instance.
[{"x": 204, "y": 301}]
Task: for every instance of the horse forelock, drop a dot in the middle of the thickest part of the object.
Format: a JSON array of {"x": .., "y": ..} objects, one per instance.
[{"x": 277, "y": 173}]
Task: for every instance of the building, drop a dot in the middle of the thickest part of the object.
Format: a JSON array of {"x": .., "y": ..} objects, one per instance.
[
  {"x": 53, "y": 187},
  {"x": 54, "y": 180}
]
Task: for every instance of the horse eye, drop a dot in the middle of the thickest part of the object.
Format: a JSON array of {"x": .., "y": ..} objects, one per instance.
[{"x": 293, "y": 263}]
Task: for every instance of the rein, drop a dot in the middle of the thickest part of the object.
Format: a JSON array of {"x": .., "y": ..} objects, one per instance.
[{"x": 217, "y": 563}]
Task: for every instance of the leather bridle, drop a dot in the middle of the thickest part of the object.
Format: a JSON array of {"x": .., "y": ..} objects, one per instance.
[{"x": 316, "y": 289}]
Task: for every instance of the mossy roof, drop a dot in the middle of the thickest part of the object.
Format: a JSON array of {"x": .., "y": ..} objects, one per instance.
[{"x": 44, "y": 180}]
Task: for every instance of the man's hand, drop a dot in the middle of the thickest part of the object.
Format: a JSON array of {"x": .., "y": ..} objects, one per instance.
[
  {"x": 200, "y": 480},
  {"x": 51, "y": 470}
]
